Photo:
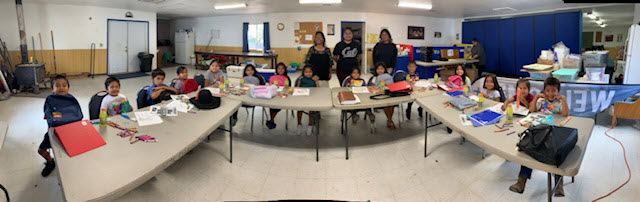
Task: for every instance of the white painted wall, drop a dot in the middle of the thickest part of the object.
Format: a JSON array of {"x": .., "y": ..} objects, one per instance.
[
  {"x": 72, "y": 28},
  {"x": 608, "y": 31},
  {"x": 231, "y": 27},
  {"x": 636, "y": 13}
]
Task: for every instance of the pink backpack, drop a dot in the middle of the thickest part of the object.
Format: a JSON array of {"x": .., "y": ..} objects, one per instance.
[
  {"x": 278, "y": 78},
  {"x": 455, "y": 81}
]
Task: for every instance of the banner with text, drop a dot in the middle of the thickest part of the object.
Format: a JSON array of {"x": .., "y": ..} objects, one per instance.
[{"x": 583, "y": 99}]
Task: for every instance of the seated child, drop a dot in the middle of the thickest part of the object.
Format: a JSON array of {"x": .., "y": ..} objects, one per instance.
[
  {"x": 308, "y": 80},
  {"x": 250, "y": 76},
  {"x": 158, "y": 91},
  {"x": 413, "y": 75},
  {"x": 355, "y": 80},
  {"x": 280, "y": 77},
  {"x": 462, "y": 73},
  {"x": 115, "y": 102},
  {"x": 491, "y": 88},
  {"x": 380, "y": 74},
  {"x": 525, "y": 97},
  {"x": 214, "y": 75},
  {"x": 549, "y": 101},
  {"x": 183, "y": 75}
]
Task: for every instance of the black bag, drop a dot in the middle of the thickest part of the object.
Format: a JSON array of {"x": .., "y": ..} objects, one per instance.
[
  {"x": 389, "y": 94},
  {"x": 548, "y": 144},
  {"x": 141, "y": 100},
  {"x": 94, "y": 104}
]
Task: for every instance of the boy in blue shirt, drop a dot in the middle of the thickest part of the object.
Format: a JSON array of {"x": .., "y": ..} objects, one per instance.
[
  {"x": 158, "y": 87},
  {"x": 60, "y": 85}
]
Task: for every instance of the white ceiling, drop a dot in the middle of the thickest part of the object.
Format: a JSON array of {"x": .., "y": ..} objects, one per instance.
[
  {"x": 441, "y": 8},
  {"x": 613, "y": 16}
]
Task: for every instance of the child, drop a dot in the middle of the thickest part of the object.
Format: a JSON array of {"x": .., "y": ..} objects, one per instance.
[
  {"x": 355, "y": 80},
  {"x": 60, "y": 86},
  {"x": 214, "y": 76},
  {"x": 552, "y": 102},
  {"x": 281, "y": 76},
  {"x": 183, "y": 75},
  {"x": 114, "y": 101},
  {"x": 414, "y": 77},
  {"x": 250, "y": 77},
  {"x": 525, "y": 97},
  {"x": 491, "y": 88},
  {"x": 380, "y": 74},
  {"x": 308, "y": 80},
  {"x": 462, "y": 73},
  {"x": 158, "y": 88}
]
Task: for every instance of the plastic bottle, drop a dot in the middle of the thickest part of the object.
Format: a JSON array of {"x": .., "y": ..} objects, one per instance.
[
  {"x": 241, "y": 82},
  {"x": 226, "y": 83},
  {"x": 381, "y": 85},
  {"x": 221, "y": 86},
  {"x": 103, "y": 117},
  {"x": 481, "y": 101},
  {"x": 435, "y": 78},
  {"x": 286, "y": 84},
  {"x": 509, "y": 113},
  {"x": 408, "y": 78},
  {"x": 465, "y": 90},
  {"x": 275, "y": 82}
]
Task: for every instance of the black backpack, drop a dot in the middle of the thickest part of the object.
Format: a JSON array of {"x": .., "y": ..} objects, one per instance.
[
  {"x": 141, "y": 100},
  {"x": 547, "y": 143},
  {"x": 94, "y": 104},
  {"x": 199, "y": 80},
  {"x": 61, "y": 109}
]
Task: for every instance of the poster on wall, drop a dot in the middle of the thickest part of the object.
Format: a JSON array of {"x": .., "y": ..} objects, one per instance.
[
  {"x": 303, "y": 31},
  {"x": 598, "y": 37},
  {"x": 331, "y": 29},
  {"x": 415, "y": 32},
  {"x": 608, "y": 38},
  {"x": 372, "y": 38},
  {"x": 437, "y": 35}
]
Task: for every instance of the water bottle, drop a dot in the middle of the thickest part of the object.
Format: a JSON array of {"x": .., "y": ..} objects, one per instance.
[
  {"x": 241, "y": 82},
  {"x": 286, "y": 84},
  {"x": 275, "y": 82},
  {"x": 408, "y": 78},
  {"x": 103, "y": 117},
  {"x": 221, "y": 86},
  {"x": 465, "y": 90},
  {"x": 509, "y": 113},
  {"x": 226, "y": 83},
  {"x": 481, "y": 101},
  {"x": 435, "y": 78},
  {"x": 381, "y": 85}
]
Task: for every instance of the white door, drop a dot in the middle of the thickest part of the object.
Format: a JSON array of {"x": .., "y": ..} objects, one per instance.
[
  {"x": 138, "y": 41},
  {"x": 117, "y": 47}
]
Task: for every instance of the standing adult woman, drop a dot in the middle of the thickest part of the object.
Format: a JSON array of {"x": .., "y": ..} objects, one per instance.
[
  {"x": 319, "y": 57},
  {"x": 385, "y": 51},
  {"x": 348, "y": 54}
]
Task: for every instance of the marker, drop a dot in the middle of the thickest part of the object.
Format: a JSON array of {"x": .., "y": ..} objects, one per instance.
[
  {"x": 511, "y": 133},
  {"x": 501, "y": 130},
  {"x": 125, "y": 116},
  {"x": 565, "y": 121}
]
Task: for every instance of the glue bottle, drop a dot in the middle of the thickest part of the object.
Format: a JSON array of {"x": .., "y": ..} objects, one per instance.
[
  {"x": 509, "y": 113},
  {"x": 103, "y": 117}
]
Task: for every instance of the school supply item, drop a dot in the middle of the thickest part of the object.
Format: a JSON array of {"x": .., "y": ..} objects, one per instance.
[
  {"x": 486, "y": 117},
  {"x": 455, "y": 93},
  {"x": 454, "y": 81},
  {"x": 401, "y": 86},
  {"x": 348, "y": 98},
  {"x": 146, "y": 118},
  {"x": 462, "y": 103},
  {"x": 360, "y": 89},
  {"x": 61, "y": 109},
  {"x": 537, "y": 67},
  {"x": 422, "y": 83},
  {"x": 464, "y": 119},
  {"x": 78, "y": 137},
  {"x": 565, "y": 121},
  {"x": 547, "y": 143},
  {"x": 301, "y": 92},
  {"x": 204, "y": 100},
  {"x": 115, "y": 125},
  {"x": 263, "y": 92},
  {"x": 103, "y": 117},
  {"x": 509, "y": 113},
  {"x": 522, "y": 111}
]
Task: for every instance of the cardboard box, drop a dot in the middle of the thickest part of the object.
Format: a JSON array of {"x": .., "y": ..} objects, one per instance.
[{"x": 545, "y": 62}]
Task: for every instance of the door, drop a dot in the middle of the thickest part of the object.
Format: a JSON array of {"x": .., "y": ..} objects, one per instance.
[
  {"x": 137, "y": 42},
  {"x": 117, "y": 47},
  {"x": 125, "y": 39},
  {"x": 587, "y": 39}
]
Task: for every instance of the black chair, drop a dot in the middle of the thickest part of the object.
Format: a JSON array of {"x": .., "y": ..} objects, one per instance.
[{"x": 94, "y": 104}]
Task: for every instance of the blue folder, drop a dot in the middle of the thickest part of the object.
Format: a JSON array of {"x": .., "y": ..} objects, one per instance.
[
  {"x": 486, "y": 117},
  {"x": 455, "y": 93}
]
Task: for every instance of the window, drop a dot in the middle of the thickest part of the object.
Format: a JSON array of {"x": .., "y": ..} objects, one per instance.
[{"x": 255, "y": 35}]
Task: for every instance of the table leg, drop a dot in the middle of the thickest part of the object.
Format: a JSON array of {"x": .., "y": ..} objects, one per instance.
[
  {"x": 342, "y": 122},
  {"x": 346, "y": 135},
  {"x": 426, "y": 127},
  {"x": 317, "y": 136},
  {"x": 6, "y": 193},
  {"x": 230, "y": 141},
  {"x": 549, "y": 194}
]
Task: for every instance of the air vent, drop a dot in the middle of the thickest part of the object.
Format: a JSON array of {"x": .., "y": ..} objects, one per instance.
[
  {"x": 505, "y": 9},
  {"x": 153, "y": 1}
]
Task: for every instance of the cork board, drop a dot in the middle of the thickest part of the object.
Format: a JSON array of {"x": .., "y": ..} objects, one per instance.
[{"x": 304, "y": 31}]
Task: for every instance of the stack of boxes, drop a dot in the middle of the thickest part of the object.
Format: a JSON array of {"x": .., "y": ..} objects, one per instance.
[{"x": 595, "y": 63}]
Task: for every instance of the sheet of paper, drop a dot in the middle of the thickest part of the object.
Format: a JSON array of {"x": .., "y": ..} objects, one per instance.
[
  {"x": 464, "y": 120},
  {"x": 280, "y": 89},
  {"x": 519, "y": 111},
  {"x": 213, "y": 90},
  {"x": 179, "y": 97},
  {"x": 146, "y": 118},
  {"x": 422, "y": 83},
  {"x": 301, "y": 92},
  {"x": 450, "y": 52},
  {"x": 171, "y": 111},
  {"x": 155, "y": 109},
  {"x": 351, "y": 102},
  {"x": 360, "y": 89},
  {"x": 308, "y": 37},
  {"x": 474, "y": 98},
  {"x": 180, "y": 106}
]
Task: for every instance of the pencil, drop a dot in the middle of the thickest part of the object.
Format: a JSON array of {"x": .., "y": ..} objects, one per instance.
[{"x": 511, "y": 133}]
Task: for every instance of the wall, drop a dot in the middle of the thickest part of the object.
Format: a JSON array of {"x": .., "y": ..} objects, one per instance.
[
  {"x": 607, "y": 31},
  {"x": 282, "y": 41},
  {"x": 74, "y": 29}
]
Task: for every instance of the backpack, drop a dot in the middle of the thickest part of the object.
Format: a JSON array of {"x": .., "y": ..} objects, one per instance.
[
  {"x": 61, "y": 109},
  {"x": 399, "y": 76},
  {"x": 189, "y": 85},
  {"x": 199, "y": 78},
  {"x": 94, "y": 104},
  {"x": 173, "y": 82},
  {"x": 547, "y": 143},
  {"x": 141, "y": 100}
]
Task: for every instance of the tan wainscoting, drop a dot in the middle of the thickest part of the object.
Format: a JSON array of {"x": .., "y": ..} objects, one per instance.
[
  {"x": 69, "y": 62},
  {"x": 285, "y": 55}
]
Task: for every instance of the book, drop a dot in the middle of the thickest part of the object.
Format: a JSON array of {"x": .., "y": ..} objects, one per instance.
[
  {"x": 347, "y": 98},
  {"x": 78, "y": 137}
]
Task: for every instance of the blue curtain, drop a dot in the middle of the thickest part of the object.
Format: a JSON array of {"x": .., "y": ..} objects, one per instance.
[
  {"x": 245, "y": 37},
  {"x": 267, "y": 40}
]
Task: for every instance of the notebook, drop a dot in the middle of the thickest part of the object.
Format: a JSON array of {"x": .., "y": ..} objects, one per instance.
[
  {"x": 78, "y": 137},
  {"x": 485, "y": 117},
  {"x": 347, "y": 98},
  {"x": 455, "y": 93},
  {"x": 462, "y": 103}
]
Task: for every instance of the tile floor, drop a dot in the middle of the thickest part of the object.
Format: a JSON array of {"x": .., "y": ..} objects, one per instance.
[{"x": 276, "y": 164}]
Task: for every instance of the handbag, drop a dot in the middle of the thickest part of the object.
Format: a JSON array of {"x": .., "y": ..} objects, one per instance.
[{"x": 547, "y": 143}]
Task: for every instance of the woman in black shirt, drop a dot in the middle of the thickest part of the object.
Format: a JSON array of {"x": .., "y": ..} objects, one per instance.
[
  {"x": 385, "y": 51},
  {"x": 347, "y": 53},
  {"x": 319, "y": 57}
]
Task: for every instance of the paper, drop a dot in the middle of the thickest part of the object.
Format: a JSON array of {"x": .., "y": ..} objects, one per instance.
[
  {"x": 179, "y": 97},
  {"x": 146, "y": 118},
  {"x": 280, "y": 89},
  {"x": 422, "y": 83},
  {"x": 361, "y": 89},
  {"x": 464, "y": 120},
  {"x": 519, "y": 111},
  {"x": 532, "y": 119},
  {"x": 450, "y": 52},
  {"x": 171, "y": 111},
  {"x": 301, "y": 92},
  {"x": 213, "y": 90},
  {"x": 474, "y": 98},
  {"x": 180, "y": 106},
  {"x": 308, "y": 37}
]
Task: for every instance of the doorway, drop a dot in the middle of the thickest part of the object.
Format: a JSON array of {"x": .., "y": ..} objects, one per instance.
[
  {"x": 358, "y": 36},
  {"x": 125, "y": 39},
  {"x": 587, "y": 40}
]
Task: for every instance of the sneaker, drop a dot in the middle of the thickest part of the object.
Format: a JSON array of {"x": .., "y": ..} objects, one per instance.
[
  {"x": 299, "y": 130},
  {"x": 309, "y": 130},
  {"x": 407, "y": 113},
  {"x": 48, "y": 168},
  {"x": 271, "y": 125},
  {"x": 420, "y": 112},
  {"x": 355, "y": 118}
]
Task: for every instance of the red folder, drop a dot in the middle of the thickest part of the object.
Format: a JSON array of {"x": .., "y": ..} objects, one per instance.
[
  {"x": 401, "y": 86},
  {"x": 78, "y": 137}
]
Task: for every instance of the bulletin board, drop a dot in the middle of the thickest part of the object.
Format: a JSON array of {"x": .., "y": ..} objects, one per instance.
[{"x": 304, "y": 31}]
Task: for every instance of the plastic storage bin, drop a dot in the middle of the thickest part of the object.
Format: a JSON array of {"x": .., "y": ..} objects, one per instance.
[
  {"x": 566, "y": 74},
  {"x": 595, "y": 73},
  {"x": 293, "y": 67},
  {"x": 539, "y": 75},
  {"x": 595, "y": 57},
  {"x": 572, "y": 61}
]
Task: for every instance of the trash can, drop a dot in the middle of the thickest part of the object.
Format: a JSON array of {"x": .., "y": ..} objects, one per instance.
[{"x": 146, "y": 60}]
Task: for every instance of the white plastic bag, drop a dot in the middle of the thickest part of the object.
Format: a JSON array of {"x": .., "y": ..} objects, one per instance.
[
  {"x": 560, "y": 51},
  {"x": 263, "y": 92}
]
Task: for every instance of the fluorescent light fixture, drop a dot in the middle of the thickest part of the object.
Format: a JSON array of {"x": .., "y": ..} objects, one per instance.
[
  {"x": 598, "y": 20},
  {"x": 414, "y": 5},
  {"x": 229, "y": 6},
  {"x": 590, "y": 15},
  {"x": 603, "y": 25},
  {"x": 320, "y": 1}
]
